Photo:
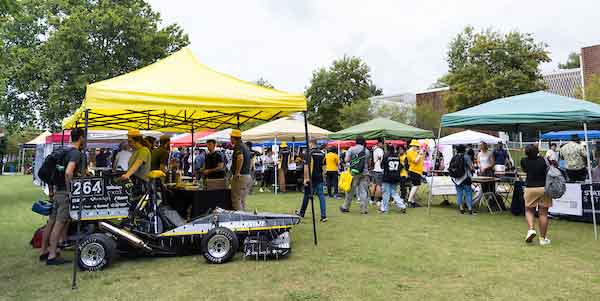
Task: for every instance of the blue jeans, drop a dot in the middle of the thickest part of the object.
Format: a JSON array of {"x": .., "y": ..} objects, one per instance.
[
  {"x": 317, "y": 187},
  {"x": 389, "y": 189},
  {"x": 466, "y": 191}
]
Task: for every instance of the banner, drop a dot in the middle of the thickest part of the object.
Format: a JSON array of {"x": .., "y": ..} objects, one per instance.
[
  {"x": 587, "y": 203},
  {"x": 570, "y": 202}
]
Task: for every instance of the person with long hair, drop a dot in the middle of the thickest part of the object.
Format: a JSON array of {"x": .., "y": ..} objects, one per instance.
[{"x": 535, "y": 197}]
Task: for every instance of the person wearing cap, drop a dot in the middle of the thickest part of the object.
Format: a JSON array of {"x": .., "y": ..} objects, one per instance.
[
  {"x": 575, "y": 157},
  {"x": 240, "y": 169},
  {"x": 415, "y": 157},
  {"x": 160, "y": 155},
  {"x": 284, "y": 161},
  {"x": 139, "y": 163}
]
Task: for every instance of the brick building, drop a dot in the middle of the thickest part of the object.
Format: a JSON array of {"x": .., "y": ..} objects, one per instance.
[{"x": 590, "y": 62}]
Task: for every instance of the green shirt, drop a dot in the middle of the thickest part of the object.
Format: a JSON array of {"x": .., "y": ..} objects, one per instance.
[{"x": 144, "y": 155}]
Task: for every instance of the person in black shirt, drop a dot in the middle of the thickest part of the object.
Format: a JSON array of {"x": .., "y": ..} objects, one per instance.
[
  {"x": 214, "y": 167},
  {"x": 316, "y": 162},
  {"x": 536, "y": 167},
  {"x": 160, "y": 155},
  {"x": 391, "y": 177},
  {"x": 59, "y": 216}
]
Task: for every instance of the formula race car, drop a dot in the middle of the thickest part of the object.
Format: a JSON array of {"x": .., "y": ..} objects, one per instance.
[{"x": 114, "y": 223}]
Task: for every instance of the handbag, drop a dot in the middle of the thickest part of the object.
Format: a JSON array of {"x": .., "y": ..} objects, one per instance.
[{"x": 345, "y": 182}]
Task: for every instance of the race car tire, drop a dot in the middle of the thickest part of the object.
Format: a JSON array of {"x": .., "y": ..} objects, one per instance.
[
  {"x": 96, "y": 251},
  {"x": 219, "y": 245}
]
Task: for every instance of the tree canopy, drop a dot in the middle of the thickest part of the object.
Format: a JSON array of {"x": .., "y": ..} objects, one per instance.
[
  {"x": 592, "y": 89},
  {"x": 573, "y": 61},
  {"x": 346, "y": 81},
  {"x": 487, "y": 65},
  {"x": 264, "y": 83},
  {"x": 51, "y": 49}
]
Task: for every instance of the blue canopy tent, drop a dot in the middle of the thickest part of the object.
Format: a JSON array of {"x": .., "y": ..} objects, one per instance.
[
  {"x": 566, "y": 135},
  {"x": 530, "y": 111}
]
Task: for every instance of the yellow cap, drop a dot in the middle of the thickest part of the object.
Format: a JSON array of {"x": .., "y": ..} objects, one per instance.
[
  {"x": 283, "y": 144},
  {"x": 235, "y": 133},
  {"x": 414, "y": 143},
  {"x": 134, "y": 133}
]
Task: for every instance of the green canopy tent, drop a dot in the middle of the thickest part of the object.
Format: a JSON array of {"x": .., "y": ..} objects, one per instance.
[
  {"x": 529, "y": 111},
  {"x": 382, "y": 128}
]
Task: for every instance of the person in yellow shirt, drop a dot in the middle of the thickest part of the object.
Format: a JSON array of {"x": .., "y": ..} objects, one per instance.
[
  {"x": 403, "y": 170},
  {"x": 332, "y": 161},
  {"x": 415, "y": 157}
]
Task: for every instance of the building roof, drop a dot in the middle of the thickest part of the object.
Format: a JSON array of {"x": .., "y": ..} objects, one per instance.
[{"x": 564, "y": 82}]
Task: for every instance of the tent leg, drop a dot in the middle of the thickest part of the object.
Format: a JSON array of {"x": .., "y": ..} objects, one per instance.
[
  {"x": 82, "y": 174},
  {"x": 589, "y": 169},
  {"x": 275, "y": 163},
  {"x": 306, "y": 161},
  {"x": 435, "y": 152},
  {"x": 193, "y": 170}
]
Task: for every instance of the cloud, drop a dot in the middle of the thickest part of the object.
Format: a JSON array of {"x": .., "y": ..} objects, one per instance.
[{"x": 404, "y": 42}]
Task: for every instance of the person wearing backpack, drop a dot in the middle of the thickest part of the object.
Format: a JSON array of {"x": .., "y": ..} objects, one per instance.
[
  {"x": 391, "y": 177},
  {"x": 535, "y": 194},
  {"x": 67, "y": 165},
  {"x": 357, "y": 159},
  {"x": 460, "y": 171}
]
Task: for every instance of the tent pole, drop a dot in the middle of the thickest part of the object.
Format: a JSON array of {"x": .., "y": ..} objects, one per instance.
[
  {"x": 275, "y": 163},
  {"x": 589, "y": 169},
  {"x": 62, "y": 139},
  {"x": 307, "y": 161},
  {"x": 82, "y": 174},
  {"x": 193, "y": 170},
  {"x": 435, "y": 152}
]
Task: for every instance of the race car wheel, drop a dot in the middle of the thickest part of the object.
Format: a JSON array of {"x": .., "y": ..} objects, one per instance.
[
  {"x": 96, "y": 251},
  {"x": 219, "y": 245}
]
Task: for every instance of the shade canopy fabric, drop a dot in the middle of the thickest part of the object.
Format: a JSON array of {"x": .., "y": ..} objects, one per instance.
[
  {"x": 41, "y": 139},
  {"x": 284, "y": 129},
  {"x": 566, "y": 135},
  {"x": 185, "y": 140},
  {"x": 179, "y": 92},
  {"x": 469, "y": 137},
  {"x": 98, "y": 136},
  {"x": 222, "y": 136},
  {"x": 382, "y": 128},
  {"x": 526, "y": 111}
]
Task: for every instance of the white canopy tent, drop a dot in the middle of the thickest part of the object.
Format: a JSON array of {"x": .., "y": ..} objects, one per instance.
[
  {"x": 223, "y": 136},
  {"x": 284, "y": 129},
  {"x": 469, "y": 137}
]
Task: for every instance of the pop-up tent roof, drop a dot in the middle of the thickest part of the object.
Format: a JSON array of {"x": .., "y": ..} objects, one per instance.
[
  {"x": 176, "y": 92},
  {"x": 97, "y": 136},
  {"x": 566, "y": 135},
  {"x": 469, "y": 137},
  {"x": 223, "y": 136},
  {"x": 287, "y": 129},
  {"x": 41, "y": 139},
  {"x": 185, "y": 140},
  {"x": 382, "y": 127},
  {"x": 537, "y": 110}
]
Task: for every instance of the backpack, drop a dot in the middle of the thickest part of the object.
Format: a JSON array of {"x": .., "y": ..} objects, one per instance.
[
  {"x": 457, "y": 168},
  {"x": 357, "y": 163},
  {"x": 36, "y": 240},
  {"x": 52, "y": 171},
  {"x": 555, "y": 183}
]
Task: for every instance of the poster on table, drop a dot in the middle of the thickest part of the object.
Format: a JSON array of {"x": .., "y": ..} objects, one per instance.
[
  {"x": 442, "y": 186},
  {"x": 586, "y": 200},
  {"x": 569, "y": 203}
]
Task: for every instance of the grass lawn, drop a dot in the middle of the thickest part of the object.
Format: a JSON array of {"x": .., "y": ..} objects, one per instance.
[{"x": 444, "y": 256}]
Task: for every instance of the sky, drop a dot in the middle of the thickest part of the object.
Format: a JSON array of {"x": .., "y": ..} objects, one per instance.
[{"x": 404, "y": 42}]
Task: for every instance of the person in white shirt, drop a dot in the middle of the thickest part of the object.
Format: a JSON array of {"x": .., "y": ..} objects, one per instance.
[
  {"x": 552, "y": 155},
  {"x": 377, "y": 174},
  {"x": 485, "y": 158},
  {"x": 121, "y": 161}
]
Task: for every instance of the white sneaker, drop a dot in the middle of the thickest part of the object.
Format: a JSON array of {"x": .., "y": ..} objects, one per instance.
[
  {"x": 261, "y": 190},
  {"x": 530, "y": 235},
  {"x": 544, "y": 241}
]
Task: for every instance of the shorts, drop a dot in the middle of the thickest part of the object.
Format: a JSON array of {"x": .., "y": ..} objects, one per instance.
[
  {"x": 535, "y": 196},
  {"x": 415, "y": 178},
  {"x": 378, "y": 178},
  {"x": 60, "y": 207}
]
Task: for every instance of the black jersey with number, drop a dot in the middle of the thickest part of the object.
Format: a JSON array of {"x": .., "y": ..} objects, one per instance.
[
  {"x": 317, "y": 161},
  {"x": 391, "y": 168}
]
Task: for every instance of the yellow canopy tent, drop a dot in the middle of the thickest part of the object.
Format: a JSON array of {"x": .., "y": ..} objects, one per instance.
[{"x": 178, "y": 94}]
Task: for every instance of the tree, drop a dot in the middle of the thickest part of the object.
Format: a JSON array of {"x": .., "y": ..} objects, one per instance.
[
  {"x": 356, "y": 112},
  {"x": 264, "y": 83},
  {"x": 53, "y": 48},
  {"x": 573, "y": 61},
  {"x": 487, "y": 65},
  {"x": 346, "y": 81},
  {"x": 592, "y": 90},
  {"x": 427, "y": 117},
  {"x": 394, "y": 112}
]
